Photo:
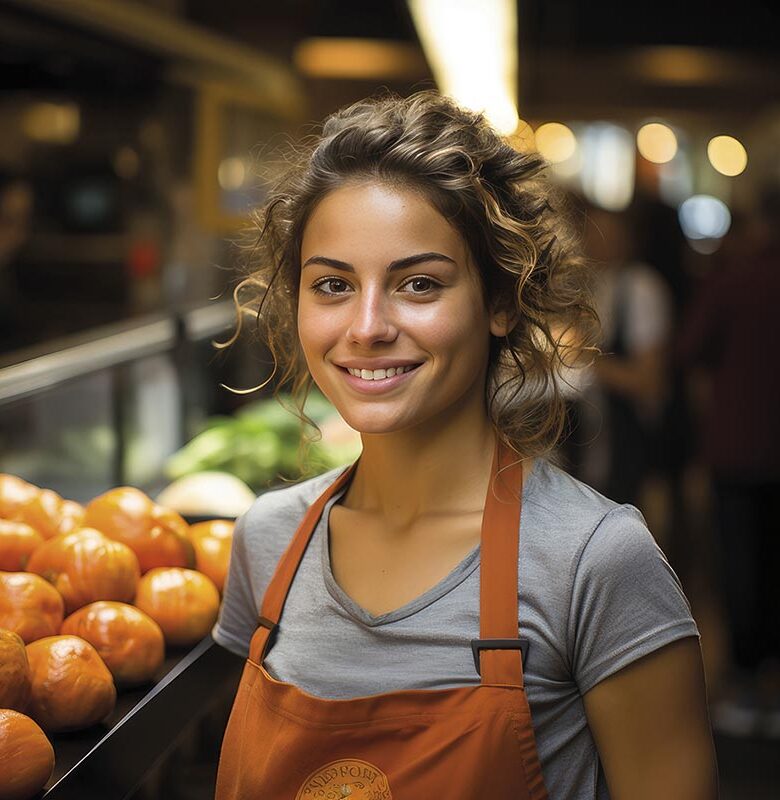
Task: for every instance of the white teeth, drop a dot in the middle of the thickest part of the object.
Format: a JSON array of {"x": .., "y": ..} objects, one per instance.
[{"x": 378, "y": 374}]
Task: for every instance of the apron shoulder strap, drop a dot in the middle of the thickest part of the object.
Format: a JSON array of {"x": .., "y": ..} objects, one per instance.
[
  {"x": 497, "y": 654},
  {"x": 279, "y": 587}
]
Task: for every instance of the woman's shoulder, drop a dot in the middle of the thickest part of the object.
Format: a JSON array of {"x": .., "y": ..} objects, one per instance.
[
  {"x": 556, "y": 498},
  {"x": 567, "y": 524},
  {"x": 275, "y": 514}
]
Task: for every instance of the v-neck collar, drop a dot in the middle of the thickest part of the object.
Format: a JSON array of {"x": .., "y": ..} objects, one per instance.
[
  {"x": 458, "y": 574},
  {"x": 356, "y": 611}
]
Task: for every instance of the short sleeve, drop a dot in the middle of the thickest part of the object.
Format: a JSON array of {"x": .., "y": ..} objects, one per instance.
[
  {"x": 238, "y": 613},
  {"x": 626, "y": 600}
]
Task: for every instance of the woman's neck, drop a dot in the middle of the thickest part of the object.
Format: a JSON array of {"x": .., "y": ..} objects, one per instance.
[{"x": 406, "y": 475}]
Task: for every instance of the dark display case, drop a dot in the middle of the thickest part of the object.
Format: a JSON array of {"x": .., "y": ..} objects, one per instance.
[{"x": 123, "y": 757}]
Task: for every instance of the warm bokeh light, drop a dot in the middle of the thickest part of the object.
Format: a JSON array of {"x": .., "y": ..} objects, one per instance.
[
  {"x": 555, "y": 142},
  {"x": 53, "y": 123},
  {"x": 231, "y": 174},
  {"x": 126, "y": 163},
  {"x": 704, "y": 217},
  {"x": 472, "y": 50},
  {"x": 656, "y": 142},
  {"x": 362, "y": 59},
  {"x": 727, "y": 155}
]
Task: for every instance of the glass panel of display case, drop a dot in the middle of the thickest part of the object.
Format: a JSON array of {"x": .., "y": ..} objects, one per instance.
[{"x": 64, "y": 438}]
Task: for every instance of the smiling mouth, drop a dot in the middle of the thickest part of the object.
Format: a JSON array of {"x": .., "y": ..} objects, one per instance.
[{"x": 380, "y": 374}]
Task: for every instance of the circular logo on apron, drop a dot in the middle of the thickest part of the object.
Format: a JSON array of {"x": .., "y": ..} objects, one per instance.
[{"x": 346, "y": 778}]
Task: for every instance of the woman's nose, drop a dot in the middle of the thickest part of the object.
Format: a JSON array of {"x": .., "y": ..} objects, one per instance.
[{"x": 372, "y": 319}]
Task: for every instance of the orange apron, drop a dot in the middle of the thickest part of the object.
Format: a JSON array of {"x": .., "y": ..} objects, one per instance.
[{"x": 462, "y": 743}]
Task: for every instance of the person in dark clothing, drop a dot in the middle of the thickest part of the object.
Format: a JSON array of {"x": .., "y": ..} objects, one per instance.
[
  {"x": 659, "y": 242},
  {"x": 730, "y": 331},
  {"x": 633, "y": 305}
]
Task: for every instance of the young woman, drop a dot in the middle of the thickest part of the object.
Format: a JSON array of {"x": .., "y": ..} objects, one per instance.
[{"x": 452, "y": 615}]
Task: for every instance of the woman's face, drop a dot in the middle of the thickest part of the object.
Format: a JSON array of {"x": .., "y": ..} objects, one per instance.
[{"x": 386, "y": 283}]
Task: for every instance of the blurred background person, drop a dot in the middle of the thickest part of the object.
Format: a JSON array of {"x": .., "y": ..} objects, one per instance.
[
  {"x": 729, "y": 333},
  {"x": 629, "y": 379}
]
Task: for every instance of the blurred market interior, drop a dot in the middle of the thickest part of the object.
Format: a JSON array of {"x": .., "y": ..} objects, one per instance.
[{"x": 137, "y": 135}]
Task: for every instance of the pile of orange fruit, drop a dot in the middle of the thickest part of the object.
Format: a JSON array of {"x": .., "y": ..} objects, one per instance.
[{"x": 90, "y": 596}]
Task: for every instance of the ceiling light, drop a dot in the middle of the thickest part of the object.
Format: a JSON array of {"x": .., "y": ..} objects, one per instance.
[{"x": 471, "y": 46}]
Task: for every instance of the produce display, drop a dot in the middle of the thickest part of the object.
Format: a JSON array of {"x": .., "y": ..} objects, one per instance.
[
  {"x": 90, "y": 597},
  {"x": 261, "y": 443}
]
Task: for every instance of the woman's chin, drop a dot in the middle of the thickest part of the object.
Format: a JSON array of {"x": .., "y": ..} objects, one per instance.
[{"x": 374, "y": 425}]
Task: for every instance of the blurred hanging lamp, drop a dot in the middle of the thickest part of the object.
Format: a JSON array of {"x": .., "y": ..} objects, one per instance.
[{"x": 471, "y": 46}]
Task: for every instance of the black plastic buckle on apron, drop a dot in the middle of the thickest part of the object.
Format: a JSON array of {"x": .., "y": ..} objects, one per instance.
[
  {"x": 478, "y": 645},
  {"x": 273, "y": 627}
]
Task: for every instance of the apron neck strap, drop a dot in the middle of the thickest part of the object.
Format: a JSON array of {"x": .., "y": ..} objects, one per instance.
[{"x": 496, "y": 653}]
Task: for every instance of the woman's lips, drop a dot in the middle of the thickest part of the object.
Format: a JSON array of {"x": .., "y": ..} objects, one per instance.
[{"x": 376, "y": 386}]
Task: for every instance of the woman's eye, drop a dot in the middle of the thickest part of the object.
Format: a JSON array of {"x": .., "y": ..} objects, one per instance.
[
  {"x": 335, "y": 286},
  {"x": 421, "y": 285}
]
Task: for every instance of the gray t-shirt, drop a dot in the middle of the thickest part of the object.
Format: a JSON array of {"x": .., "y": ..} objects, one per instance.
[{"x": 595, "y": 593}]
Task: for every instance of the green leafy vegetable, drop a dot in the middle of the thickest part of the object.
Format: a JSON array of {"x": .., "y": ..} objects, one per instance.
[{"x": 260, "y": 444}]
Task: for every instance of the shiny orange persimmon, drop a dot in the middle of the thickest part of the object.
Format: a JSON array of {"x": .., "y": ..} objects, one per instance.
[
  {"x": 217, "y": 528},
  {"x": 26, "y": 756},
  {"x": 49, "y": 514},
  {"x": 157, "y": 535},
  {"x": 85, "y": 566},
  {"x": 14, "y": 671},
  {"x": 29, "y": 605},
  {"x": 212, "y": 541},
  {"x": 13, "y": 493},
  {"x": 17, "y": 542},
  {"x": 130, "y": 642},
  {"x": 71, "y": 686},
  {"x": 183, "y": 602}
]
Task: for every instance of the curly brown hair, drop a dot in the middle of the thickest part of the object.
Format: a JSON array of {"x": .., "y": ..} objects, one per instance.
[{"x": 516, "y": 225}]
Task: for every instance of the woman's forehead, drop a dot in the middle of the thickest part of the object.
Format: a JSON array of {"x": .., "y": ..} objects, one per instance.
[{"x": 378, "y": 218}]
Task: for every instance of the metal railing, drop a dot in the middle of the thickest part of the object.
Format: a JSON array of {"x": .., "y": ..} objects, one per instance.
[
  {"x": 115, "y": 348},
  {"x": 59, "y": 361}
]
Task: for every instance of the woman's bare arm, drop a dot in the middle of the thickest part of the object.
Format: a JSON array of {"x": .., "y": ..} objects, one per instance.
[{"x": 652, "y": 730}]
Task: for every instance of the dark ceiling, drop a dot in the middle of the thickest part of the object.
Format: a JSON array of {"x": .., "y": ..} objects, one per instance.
[
  {"x": 573, "y": 54},
  {"x": 749, "y": 25}
]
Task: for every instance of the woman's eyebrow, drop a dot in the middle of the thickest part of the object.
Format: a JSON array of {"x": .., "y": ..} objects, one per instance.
[{"x": 401, "y": 263}]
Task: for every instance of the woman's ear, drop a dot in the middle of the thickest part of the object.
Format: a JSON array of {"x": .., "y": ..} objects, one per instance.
[{"x": 502, "y": 322}]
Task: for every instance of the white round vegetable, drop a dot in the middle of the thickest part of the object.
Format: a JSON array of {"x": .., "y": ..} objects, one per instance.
[{"x": 207, "y": 493}]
